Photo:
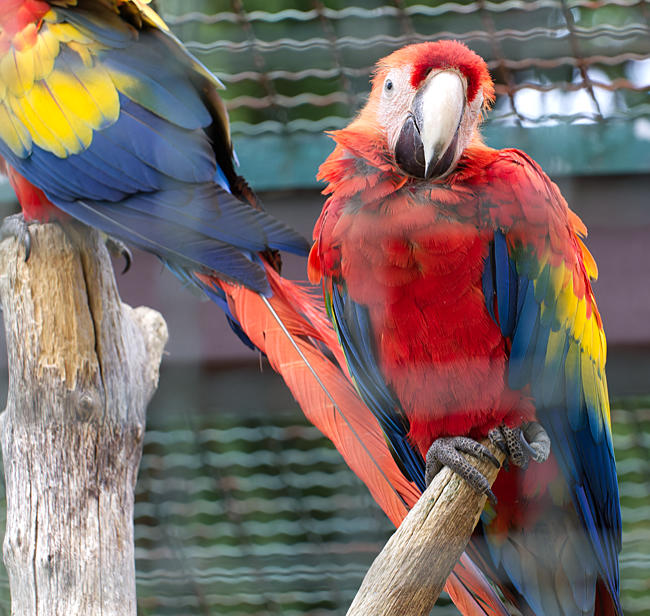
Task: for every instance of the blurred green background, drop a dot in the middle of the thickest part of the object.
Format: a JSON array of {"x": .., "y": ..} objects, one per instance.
[{"x": 242, "y": 507}]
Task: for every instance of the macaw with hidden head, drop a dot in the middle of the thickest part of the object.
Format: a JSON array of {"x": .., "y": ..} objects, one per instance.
[
  {"x": 459, "y": 286},
  {"x": 105, "y": 117}
]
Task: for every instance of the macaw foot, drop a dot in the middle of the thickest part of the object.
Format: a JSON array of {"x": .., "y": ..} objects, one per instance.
[
  {"x": 528, "y": 442},
  {"x": 447, "y": 452},
  {"x": 16, "y": 226},
  {"x": 119, "y": 249}
]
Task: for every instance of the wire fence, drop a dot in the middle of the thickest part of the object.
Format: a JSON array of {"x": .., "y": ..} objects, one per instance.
[
  {"x": 306, "y": 68},
  {"x": 289, "y": 530}
]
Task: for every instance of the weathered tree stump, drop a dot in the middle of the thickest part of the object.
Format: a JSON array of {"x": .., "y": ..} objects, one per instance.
[
  {"x": 82, "y": 369},
  {"x": 410, "y": 572}
]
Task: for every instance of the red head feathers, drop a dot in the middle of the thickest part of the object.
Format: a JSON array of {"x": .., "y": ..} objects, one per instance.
[{"x": 424, "y": 57}]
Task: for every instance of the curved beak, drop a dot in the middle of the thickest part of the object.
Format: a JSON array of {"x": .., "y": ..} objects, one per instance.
[{"x": 427, "y": 144}]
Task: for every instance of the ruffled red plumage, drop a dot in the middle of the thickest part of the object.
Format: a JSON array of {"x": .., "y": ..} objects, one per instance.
[{"x": 409, "y": 255}]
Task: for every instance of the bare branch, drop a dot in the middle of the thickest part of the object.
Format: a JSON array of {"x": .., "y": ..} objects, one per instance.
[
  {"x": 410, "y": 572},
  {"x": 83, "y": 367}
]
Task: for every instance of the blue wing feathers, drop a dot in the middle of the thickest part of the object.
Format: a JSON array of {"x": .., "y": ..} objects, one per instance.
[
  {"x": 354, "y": 330},
  {"x": 488, "y": 286},
  {"x": 209, "y": 210},
  {"x": 523, "y": 341},
  {"x": 172, "y": 243},
  {"x": 573, "y": 387},
  {"x": 506, "y": 285},
  {"x": 38, "y": 171},
  {"x": 522, "y": 290},
  {"x": 539, "y": 359},
  {"x": 106, "y": 178},
  {"x": 167, "y": 92},
  {"x": 122, "y": 163},
  {"x": 183, "y": 155},
  {"x": 107, "y": 28},
  {"x": 571, "y": 403},
  {"x": 502, "y": 277},
  {"x": 151, "y": 177}
]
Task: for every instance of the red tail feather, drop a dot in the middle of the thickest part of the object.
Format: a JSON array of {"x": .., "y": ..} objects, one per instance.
[
  {"x": 350, "y": 422},
  {"x": 471, "y": 592},
  {"x": 604, "y": 604}
]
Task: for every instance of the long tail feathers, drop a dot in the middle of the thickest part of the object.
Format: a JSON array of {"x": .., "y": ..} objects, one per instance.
[
  {"x": 291, "y": 328},
  {"x": 332, "y": 404}
]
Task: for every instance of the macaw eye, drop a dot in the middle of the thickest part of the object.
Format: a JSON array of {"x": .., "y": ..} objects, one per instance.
[{"x": 388, "y": 85}]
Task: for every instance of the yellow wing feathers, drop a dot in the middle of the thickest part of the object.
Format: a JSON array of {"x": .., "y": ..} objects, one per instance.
[
  {"x": 569, "y": 315},
  {"x": 54, "y": 91},
  {"x": 51, "y": 101}
]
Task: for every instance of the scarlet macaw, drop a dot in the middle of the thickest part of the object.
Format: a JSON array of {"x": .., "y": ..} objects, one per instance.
[
  {"x": 459, "y": 286},
  {"x": 105, "y": 117}
]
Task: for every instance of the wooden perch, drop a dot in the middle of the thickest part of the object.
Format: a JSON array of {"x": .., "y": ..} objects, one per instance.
[
  {"x": 82, "y": 369},
  {"x": 410, "y": 572}
]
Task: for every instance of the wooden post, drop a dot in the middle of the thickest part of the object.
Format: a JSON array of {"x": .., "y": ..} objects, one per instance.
[
  {"x": 410, "y": 572},
  {"x": 82, "y": 369}
]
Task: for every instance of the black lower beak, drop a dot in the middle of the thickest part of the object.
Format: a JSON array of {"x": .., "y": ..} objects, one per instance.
[
  {"x": 409, "y": 151},
  {"x": 444, "y": 162}
]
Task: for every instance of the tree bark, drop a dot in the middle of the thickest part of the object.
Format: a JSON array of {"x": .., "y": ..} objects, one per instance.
[
  {"x": 82, "y": 369},
  {"x": 410, "y": 572}
]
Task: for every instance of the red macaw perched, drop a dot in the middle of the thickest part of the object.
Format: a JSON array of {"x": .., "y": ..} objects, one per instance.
[
  {"x": 459, "y": 286},
  {"x": 105, "y": 117}
]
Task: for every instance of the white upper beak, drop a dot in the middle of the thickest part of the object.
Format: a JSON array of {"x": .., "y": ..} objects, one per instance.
[{"x": 440, "y": 110}]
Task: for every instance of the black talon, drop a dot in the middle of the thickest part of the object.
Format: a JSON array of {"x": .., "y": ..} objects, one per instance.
[
  {"x": 490, "y": 458},
  {"x": 476, "y": 449},
  {"x": 446, "y": 452},
  {"x": 538, "y": 440},
  {"x": 119, "y": 249},
  {"x": 27, "y": 243},
  {"x": 521, "y": 445},
  {"x": 128, "y": 260},
  {"x": 525, "y": 446}
]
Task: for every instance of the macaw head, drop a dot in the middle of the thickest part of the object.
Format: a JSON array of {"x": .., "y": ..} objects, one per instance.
[{"x": 428, "y": 100}]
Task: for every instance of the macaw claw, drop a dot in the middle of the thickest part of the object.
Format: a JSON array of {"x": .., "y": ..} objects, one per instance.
[
  {"x": 447, "y": 452},
  {"x": 119, "y": 249},
  {"x": 16, "y": 226},
  {"x": 528, "y": 442}
]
